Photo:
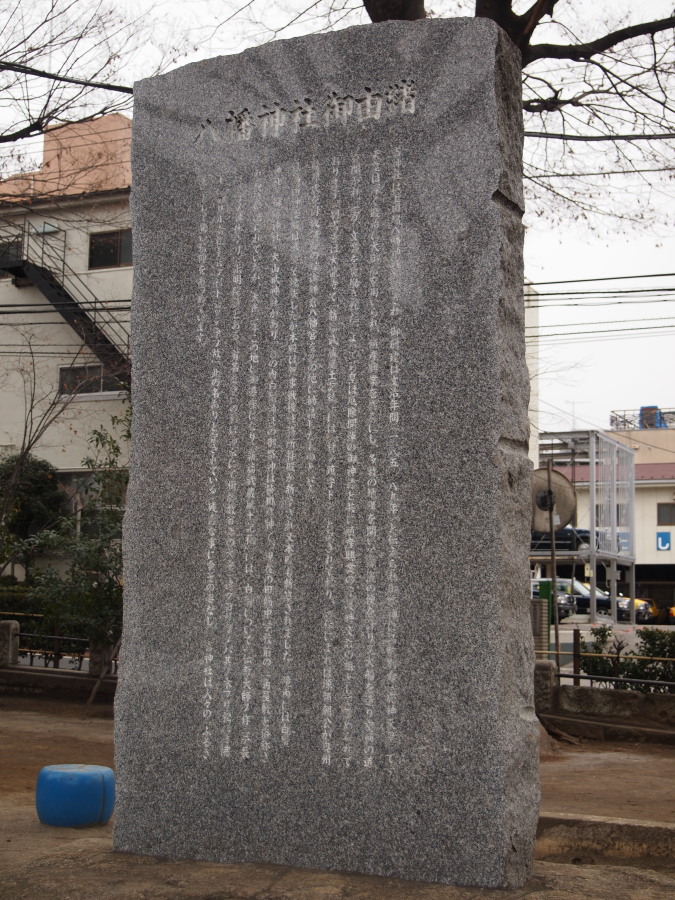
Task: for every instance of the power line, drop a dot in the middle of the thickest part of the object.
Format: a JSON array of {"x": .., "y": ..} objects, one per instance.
[
  {"x": 62, "y": 355},
  {"x": 56, "y": 312},
  {"x": 598, "y": 304},
  {"x": 610, "y": 331},
  {"x": 626, "y": 171},
  {"x": 612, "y": 292},
  {"x": 597, "y": 337},
  {"x": 583, "y": 324},
  {"x": 50, "y": 344},
  {"x": 605, "y": 278},
  {"x": 84, "y": 303},
  {"x": 597, "y": 427},
  {"x": 648, "y": 293},
  {"x": 76, "y": 142}
]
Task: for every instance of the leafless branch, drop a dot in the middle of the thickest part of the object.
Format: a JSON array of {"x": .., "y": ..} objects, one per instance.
[
  {"x": 600, "y": 45},
  {"x": 39, "y": 73}
]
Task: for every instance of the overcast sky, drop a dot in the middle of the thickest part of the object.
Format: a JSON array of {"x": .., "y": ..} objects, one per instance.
[{"x": 584, "y": 377}]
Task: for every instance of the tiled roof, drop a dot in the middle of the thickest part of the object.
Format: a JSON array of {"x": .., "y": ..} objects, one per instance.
[
  {"x": 643, "y": 472},
  {"x": 655, "y": 471}
]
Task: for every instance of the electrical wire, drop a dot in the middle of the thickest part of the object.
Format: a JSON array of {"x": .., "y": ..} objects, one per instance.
[
  {"x": 608, "y": 294},
  {"x": 595, "y": 303},
  {"x": 538, "y": 328},
  {"x": 40, "y": 73},
  {"x": 604, "y": 278},
  {"x": 611, "y": 331},
  {"x": 85, "y": 304}
]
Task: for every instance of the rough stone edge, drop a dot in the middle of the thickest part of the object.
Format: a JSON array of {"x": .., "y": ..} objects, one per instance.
[{"x": 521, "y": 740}]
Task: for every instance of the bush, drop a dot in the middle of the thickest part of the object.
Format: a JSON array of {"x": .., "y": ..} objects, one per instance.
[
  {"x": 652, "y": 642},
  {"x": 14, "y": 598},
  {"x": 31, "y": 493},
  {"x": 85, "y": 600}
]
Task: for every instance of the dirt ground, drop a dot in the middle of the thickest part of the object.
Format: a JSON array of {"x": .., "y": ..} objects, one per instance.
[{"x": 626, "y": 781}]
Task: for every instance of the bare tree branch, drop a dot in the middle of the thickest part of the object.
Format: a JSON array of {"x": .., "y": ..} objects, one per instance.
[
  {"x": 38, "y": 73},
  {"x": 667, "y": 136},
  {"x": 592, "y": 48}
]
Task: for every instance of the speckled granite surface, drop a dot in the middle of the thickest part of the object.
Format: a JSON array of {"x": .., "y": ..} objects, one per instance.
[{"x": 327, "y": 658}]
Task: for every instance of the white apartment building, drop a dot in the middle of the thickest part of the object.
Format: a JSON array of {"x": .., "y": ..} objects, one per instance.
[
  {"x": 65, "y": 292},
  {"x": 649, "y": 432}
]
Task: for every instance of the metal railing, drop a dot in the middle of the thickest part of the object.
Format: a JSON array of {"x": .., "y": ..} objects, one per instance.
[
  {"x": 577, "y": 676},
  {"x": 644, "y": 418},
  {"x": 52, "y": 648},
  {"x": 616, "y": 679},
  {"x": 62, "y": 648}
]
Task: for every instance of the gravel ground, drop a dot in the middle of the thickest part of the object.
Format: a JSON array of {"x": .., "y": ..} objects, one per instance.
[{"x": 610, "y": 781}]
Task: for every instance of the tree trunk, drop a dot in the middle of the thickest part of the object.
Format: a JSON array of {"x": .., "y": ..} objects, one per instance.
[{"x": 385, "y": 10}]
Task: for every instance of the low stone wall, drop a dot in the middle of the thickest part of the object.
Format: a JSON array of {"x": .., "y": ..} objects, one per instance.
[
  {"x": 658, "y": 709},
  {"x": 603, "y": 713},
  {"x": 56, "y": 684}
]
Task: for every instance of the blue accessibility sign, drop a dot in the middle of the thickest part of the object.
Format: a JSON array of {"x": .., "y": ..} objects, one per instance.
[{"x": 663, "y": 540}]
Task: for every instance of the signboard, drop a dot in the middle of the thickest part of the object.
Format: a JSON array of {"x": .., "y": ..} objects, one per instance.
[{"x": 663, "y": 540}]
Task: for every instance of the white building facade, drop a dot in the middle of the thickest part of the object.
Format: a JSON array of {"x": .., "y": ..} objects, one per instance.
[{"x": 65, "y": 294}]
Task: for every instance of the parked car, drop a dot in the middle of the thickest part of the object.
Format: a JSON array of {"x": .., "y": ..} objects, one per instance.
[
  {"x": 565, "y": 539},
  {"x": 582, "y": 596},
  {"x": 566, "y": 603},
  {"x": 644, "y": 610}
]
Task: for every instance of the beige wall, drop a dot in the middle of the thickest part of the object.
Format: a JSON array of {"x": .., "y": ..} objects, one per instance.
[
  {"x": 651, "y": 445},
  {"x": 647, "y": 497},
  {"x": 53, "y": 343},
  {"x": 78, "y": 159}
]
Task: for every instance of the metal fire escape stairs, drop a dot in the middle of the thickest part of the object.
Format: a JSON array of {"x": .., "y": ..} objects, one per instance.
[{"x": 37, "y": 257}]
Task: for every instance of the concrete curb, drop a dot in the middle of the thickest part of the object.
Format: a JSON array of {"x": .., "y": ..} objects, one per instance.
[
  {"x": 561, "y": 833},
  {"x": 608, "y": 730}
]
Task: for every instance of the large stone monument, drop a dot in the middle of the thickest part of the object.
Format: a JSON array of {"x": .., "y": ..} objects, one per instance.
[{"x": 327, "y": 654}]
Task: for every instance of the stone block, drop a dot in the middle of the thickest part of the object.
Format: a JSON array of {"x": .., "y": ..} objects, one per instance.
[
  {"x": 545, "y": 685},
  {"x": 327, "y": 657},
  {"x": 9, "y": 642}
]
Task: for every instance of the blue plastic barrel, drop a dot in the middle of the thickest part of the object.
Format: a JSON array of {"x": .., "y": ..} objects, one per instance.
[{"x": 73, "y": 796}]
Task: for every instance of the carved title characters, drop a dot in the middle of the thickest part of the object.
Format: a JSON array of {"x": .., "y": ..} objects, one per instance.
[{"x": 397, "y": 99}]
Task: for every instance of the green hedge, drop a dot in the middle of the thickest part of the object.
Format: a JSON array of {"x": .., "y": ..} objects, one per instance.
[
  {"x": 14, "y": 598},
  {"x": 652, "y": 642}
]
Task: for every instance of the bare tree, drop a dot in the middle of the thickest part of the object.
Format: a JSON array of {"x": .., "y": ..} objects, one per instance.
[
  {"x": 598, "y": 80},
  {"x": 40, "y": 403},
  {"x": 598, "y": 88},
  {"x": 85, "y": 49}
]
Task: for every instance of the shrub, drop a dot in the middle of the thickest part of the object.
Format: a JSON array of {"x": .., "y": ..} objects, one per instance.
[{"x": 652, "y": 642}]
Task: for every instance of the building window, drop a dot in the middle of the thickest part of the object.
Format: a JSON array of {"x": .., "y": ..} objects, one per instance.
[
  {"x": 665, "y": 513},
  {"x": 87, "y": 380},
  {"x": 10, "y": 253},
  {"x": 110, "y": 248}
]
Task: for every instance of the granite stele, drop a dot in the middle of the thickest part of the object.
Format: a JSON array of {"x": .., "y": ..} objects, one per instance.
[{"x": 327, "y": 655}]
